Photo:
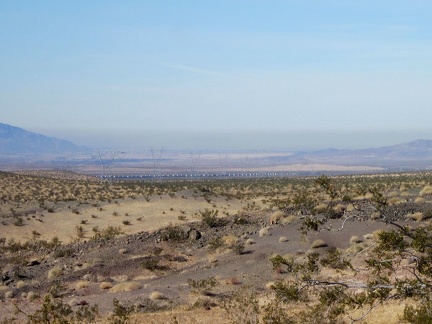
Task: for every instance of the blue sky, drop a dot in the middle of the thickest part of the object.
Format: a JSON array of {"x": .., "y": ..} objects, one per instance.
[{"x": 309, "y": 73}]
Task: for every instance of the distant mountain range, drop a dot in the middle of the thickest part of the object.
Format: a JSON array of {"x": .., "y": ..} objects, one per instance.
[
  {"x": 15, "y": 140},
  {"x": 406, "y": 156}
]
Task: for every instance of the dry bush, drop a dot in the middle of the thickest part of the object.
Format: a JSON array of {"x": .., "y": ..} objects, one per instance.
[
  {"x": 264, "y": 232},
  {"x": 392, "y": 194},
  {"x": 394, "y": 201},
  {"x": 376, "y": 234},
  {"x": 339, "y": 208},
  {"x": 318, "y": 244},
  {"x": 126, "y": 286},
  {"x": 20, "y": 284},
  {"x": 321, "y": 208},
  {"x": 418, "y": 216},
  {"x": 249, "y": 241},
  {"x": 375, "y": 215},
  {"x": 269, "y": 285},
  {"x": 427, "y": 190},
  {"x": 82, "y": 284},
  {"x": 368, "y": 236},
  {"x": 289, "y": 257},
  {"x": 55, "y": 273},
  {"x": 419, "y": 200},
  {"x": 156, "y": 295},
  {"x": 276, "y": 216},
  {"x": 212, "y": 258},
  {"x": 355, "y": 239},
  {"x": 289, "y": 219},
  {"x": 106, "y": 285},
  {"x": 355, "y": 248},
  {"x": 230, "y": 239},
  {"x": 31, "y": 295},
  {"x": 283, "y": 239},
  {"x": 350, "y": 208}
]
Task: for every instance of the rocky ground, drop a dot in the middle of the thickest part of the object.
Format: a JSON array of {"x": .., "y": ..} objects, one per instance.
[{"x": 188, "y": 267}]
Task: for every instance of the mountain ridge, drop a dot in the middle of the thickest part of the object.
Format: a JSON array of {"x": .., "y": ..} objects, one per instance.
[{"x": 16, "y": 140}]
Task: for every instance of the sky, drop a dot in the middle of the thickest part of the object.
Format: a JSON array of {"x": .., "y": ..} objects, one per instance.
[{"x": 264, "y": 74}]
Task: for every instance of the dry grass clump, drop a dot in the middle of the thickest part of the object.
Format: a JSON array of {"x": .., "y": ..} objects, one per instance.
[
  {"x": 212, "y": 258},
  {"x": 9, "y": 294},
  {"x": 89, "y": 277},
  {"x": 249, "y": 241},
  {"x": 418, "y": 216},
  {"x": 419, "y": 200},
  {"x": 339, "y": 208},
  {"x": 375, "y": 215},
  {"x": 427, "y": 190},
  {"x": 82, "y": 284},
  {"x": 350, "y": 208},
  {"x": 368, "y": 236},
  {"x": 394, "y": 201},
  {"x": 318, "y": 244},
  {"x": 269, "y": 285},
  {"x": 283, "y": 239},
  {"x": 289, "y": 219},
  {"x": 392, "y": 194},
  {"x": 276, "y": 216},
  {"x": 230, "y": 239},
  {"x": 20, "y": 284},
  {"x": 355, "y": 248},
  {"x": 126, "y": 286},
  {"x": 375, "y": 234},
  {"x": 156, "y": 295},
  {"x": 289, "y": 257},
  {"x": 31, "y": 295},
  {"x": 264, "y": 232},
  {"x": 355, "y": 239},
  {"x": 106, "y": 285},
  {"x": 321, "y": 208},
  {"x": 55, "y": 273}
]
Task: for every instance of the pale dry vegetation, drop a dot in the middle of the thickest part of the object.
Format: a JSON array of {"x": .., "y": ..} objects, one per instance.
[{"x": 328, "y": 249}]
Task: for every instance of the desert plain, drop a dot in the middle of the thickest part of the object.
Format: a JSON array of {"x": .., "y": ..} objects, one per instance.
[{"x": 322, "y": 249}]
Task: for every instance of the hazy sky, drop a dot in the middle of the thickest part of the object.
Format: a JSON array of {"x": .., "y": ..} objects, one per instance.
[{"x": 314, "y": 73}]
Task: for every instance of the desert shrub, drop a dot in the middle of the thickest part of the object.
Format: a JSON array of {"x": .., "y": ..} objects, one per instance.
[
  {"x": 418, "y": 315},
  {"x": 155, "y": 295},
  {"x": 242, "y": 307},
  {"x": 287, "y": 291},
  {"x": 238, "y": 247},
  {"x": 280, "y": 264},
  {"x": 109, "y": 233},
  {"x": 209, "y": 217},
  {"x": 54, "y": 273},
  {"x": 427, "y": 190},
  {"x": 173, "y": 233},
  {"x": 203, "y": 286},
  {"x": 274, "y": 313},
  {"x": 318, "y": 243},
  {"x": 151, "y": 263},
  {"x": 215, "y": 244},
  {"x": 126, "y": 286},
  {"x": 264, "y": 232},
  {"x": 121, "y": 312},
  {"x": 334, "y": 260},
  {"x": 55, "y": 311}
]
